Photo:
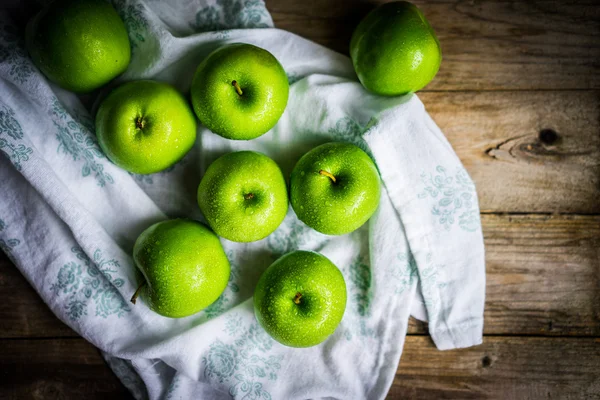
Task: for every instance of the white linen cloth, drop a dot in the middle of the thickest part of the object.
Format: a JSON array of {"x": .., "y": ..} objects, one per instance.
[{"x": 69, "y": 218}]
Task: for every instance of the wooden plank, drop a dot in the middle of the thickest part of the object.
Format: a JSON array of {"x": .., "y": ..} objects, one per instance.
[
  {"x": 486, "y": 45},
  {"x": 56, "y": 369},
  {"x": 22, "y": 311},
  {"x": 543, "y": 275},
  {"x": 501, "y": 368},
  {"x": 526, "y": 151},
  {"x": 542, "y": 279}
]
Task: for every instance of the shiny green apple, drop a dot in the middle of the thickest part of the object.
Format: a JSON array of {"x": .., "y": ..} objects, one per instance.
[
  {"x": 184, "y": 267},
  {"x": 394, "y": 50},
  {"x": 240, "y": 91},
  {"x": 145, "y": 126},
  {"x": 335, "y": 188},
  {"x": 243, "y": 196},
  {"x": 79, "y": 44},
  {"x": 300, "y": 299}
]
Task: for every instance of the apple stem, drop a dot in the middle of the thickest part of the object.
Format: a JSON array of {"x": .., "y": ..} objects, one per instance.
[
  {"x": 249, "y": 196},
  {"x": 237, "y": 87},
  {"x": 329, "y": 175},
  {"x": 297, "y": 298},
  {"x": 137, "y": 292},
  {"x": 139, "y": 123}
]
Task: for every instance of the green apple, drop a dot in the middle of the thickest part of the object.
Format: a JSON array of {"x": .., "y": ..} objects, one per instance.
[
  {"x": 79, "y": 44},
  {"x": 184, "y": 266},
  {"x": 334, "y": 188},
  {"x": 239, "y": 91},
  {"x": 394, "y": 50},
  {"x": 145, "y": 126},
  {"x": 243, "y": 196},
  {"x": 300, "y": 299}
]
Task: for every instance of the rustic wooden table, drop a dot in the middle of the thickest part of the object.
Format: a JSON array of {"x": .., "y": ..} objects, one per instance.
[{"x": 517, "y": 96}]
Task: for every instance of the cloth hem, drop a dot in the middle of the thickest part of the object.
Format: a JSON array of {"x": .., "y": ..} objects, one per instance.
[{"x": 458, "y": 336}]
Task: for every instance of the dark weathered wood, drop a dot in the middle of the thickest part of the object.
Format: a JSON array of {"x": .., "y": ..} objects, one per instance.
[
  {"x": 55, "y": 369},
  {"x": 22, "y": 311},
  {"x": 501, "y": 368},
  {"x": 486, "y": 45},
  {"x": 542, "y": 279},
  {"x": 516, "y": 168},
  {"x": 543, "y": 275}
]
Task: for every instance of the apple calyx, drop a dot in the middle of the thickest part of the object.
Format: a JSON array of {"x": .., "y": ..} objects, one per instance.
[
  {"x": 237, "y": 87},
  {"x": 297, "y": 298},
  {"x": 328, "y": 174},
  {"x": 249, "y": 196},
  {"x": 137, "y": 292},
  {"x": 140, "y": 123}
]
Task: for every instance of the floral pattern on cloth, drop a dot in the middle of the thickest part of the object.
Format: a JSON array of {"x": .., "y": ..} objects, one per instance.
[
  {"x": 406, "y": 274},
  {"x": 454, "y": 198},
  {"x": 11, "y": 138},
  {"x": 232, "y": 14},
  {"x": 360, "y": 296},
  {"x": 7, "y": 244},
  {"x": 135, "y": 22},
  {"x": 14, "y": 55},
  {"x": 245, "y": 362},
  {"x": 76, "y": 139},
  {"x": 86, "y": 281}
]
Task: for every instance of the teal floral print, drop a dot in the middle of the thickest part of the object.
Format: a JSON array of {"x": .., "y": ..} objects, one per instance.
[
  {"x": 227, "y": 299},
  {"x": 428, "y": 278},
  {"x": 11, "y": 134},
  {"x": 93, "y": 282},
  {"x": 12, "y": 52},
  {"x": 232, "y": 14},
  {"x": 406, "y": 274},
  {"x": 244, "y": 364},
  {"x": 233, "y": 324},
  {"x": 78, "y": 142},
  {"x": 134, "y": 20},
  {"x": 360, "y": 295},
  {"x": 360, "y": 276},
  {"x": 454, "y": 198},
  {"x": 292, "y": 234},
  {"x": 17, "y": 153},
  {"x": 7, "y": 245},
  {"x": 221, "y": 361},
  {"x": 348, "y": 130}
]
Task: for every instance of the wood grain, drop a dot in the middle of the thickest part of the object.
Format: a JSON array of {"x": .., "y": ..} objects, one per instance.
[
  {"x": 543, "y": 275},
  {"x": 526, "y": 151},
  {"x": 22, "y": 311},
  {"x": 486, "y": 45},
  {"x": 501, "y": 368},
  {"x": 543, "y": 278},
  {"x": 56, "y": 369}
]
